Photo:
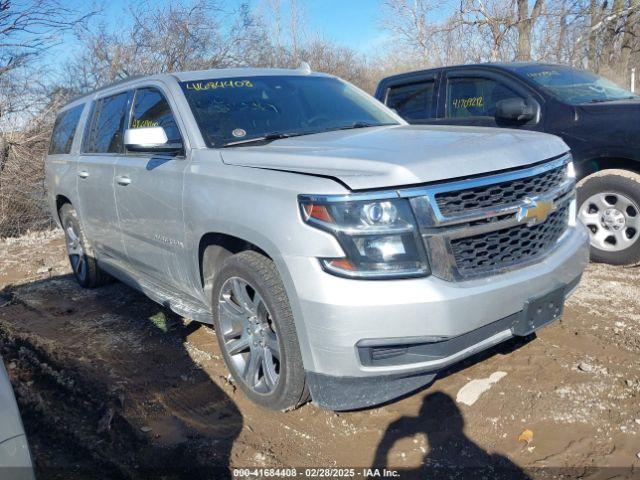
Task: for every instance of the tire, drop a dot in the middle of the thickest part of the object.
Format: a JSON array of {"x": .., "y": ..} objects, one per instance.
[
  {"x": 609, "y": 205},
  {"x": 256, "y": 332},
  {"x": 81, "y": 257}
]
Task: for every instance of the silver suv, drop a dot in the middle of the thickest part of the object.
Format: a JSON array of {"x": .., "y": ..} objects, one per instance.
[{"x": 340, "y": 253}]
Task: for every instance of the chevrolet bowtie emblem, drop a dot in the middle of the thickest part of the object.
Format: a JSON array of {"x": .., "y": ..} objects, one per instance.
[{"x": 535, "y": 211}]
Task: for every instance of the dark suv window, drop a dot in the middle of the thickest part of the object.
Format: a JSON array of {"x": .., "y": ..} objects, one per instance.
[
  {"x": 64, "y": 130},
  {"x": 414, "y": 101},
  {"x": 106, "y": 126},
  {"x": 151, "y": 109},
  {"x": 475, "y": 97}
]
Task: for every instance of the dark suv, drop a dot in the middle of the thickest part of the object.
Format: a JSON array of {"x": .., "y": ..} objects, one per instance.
[{"x": 599, "y": 121}]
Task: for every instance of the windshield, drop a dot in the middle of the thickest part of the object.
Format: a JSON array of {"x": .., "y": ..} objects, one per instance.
[
  {"x": 235, "y": 110},
  {"x": 574, "y": 86}
]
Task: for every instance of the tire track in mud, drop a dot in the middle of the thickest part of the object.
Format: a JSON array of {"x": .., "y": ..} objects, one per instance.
[
  {"x": 81, "y": 422},
  {"x": 61, "y": 407}
]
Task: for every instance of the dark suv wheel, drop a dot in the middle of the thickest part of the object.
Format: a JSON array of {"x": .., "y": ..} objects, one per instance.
[
  {"x": 609, "y": 205},
  {"x": 83, "y": 262},
  {"x": 256, "y": 332}
]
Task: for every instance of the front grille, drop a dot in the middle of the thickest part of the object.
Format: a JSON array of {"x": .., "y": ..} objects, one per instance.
[
  {"x": 497, "y": 194},
  {"x": 502, "y": 248}
]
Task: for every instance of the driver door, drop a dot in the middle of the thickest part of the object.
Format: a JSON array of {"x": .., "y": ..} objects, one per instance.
[{"x": 471, "y": 99}]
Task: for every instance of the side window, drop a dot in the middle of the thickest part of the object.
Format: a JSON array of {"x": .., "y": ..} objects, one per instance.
[
  {"x": 475, "y": 97},
  {"x": 64, "y": 130},
  {"x": 413, "y": 101},
  {"x": 151, "y": 109},
  {"x": 107, "y": 123}
]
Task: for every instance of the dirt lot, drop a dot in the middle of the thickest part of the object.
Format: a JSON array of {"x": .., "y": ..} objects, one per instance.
[{"x": 110, "y": 382}]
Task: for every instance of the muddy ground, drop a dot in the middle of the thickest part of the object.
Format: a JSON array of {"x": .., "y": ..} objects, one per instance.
[{"x": 110, "y": 382}]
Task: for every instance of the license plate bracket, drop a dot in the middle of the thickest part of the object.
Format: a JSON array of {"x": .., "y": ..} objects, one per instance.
[{"x": 540, "y": 311}]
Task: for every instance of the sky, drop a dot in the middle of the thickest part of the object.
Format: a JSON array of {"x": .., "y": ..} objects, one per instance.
[{"x": 354, "y": 23}]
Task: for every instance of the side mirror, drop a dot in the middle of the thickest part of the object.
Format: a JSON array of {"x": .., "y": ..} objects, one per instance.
[
  {"x": 515, "y": 110},
  {"x": 149, "y": 139}
]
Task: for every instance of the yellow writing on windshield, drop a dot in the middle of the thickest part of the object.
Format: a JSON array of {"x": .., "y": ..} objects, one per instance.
[
  {"x": 135, "y": 123},
  {"x": 543, "y": 73},
  {"x": 468, "y": 102},
  {"x": 212, "y": 85}
]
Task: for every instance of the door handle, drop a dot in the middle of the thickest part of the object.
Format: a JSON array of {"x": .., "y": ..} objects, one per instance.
[
  {"x": 83, "y": 174},
  {"x": 123, "y": 180}
]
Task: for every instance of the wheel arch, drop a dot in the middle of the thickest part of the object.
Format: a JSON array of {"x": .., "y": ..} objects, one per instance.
[
  {"x": 587, "y": 168},
  {"x": 214, "y": 248},
  {"x": 60, "y": 201}
]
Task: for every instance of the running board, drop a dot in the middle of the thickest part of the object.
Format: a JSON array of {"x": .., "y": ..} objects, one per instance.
[{"x": 181, "y": 304}]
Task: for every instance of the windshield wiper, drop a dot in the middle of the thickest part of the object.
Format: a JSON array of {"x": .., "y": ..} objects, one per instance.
[
  {"x": 602, "y": 100},
  {"x": 358, "y": 124},
  {"x": 268, "y": 137},
  {"x": 362, "y": 124}
]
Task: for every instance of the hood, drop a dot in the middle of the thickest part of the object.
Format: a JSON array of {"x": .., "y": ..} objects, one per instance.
[
  {"x": 400, "y": 155},
  {"x": 614, "y": 108}
]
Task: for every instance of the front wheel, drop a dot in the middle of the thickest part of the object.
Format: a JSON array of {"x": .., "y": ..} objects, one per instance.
[
  {"x": 609, "y": 206},
  {"x": 256, "y": 332}
]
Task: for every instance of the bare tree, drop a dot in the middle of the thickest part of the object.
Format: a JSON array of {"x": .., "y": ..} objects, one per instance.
[
  {"x": 28, "y": 29},
  {"x": 162, "y": 38},
  {"x": 494, "y": 20},
  {"x": 525, "y": 25},
  {"x": 409, "y": 21},
  {"x": 630, "y": 36}
]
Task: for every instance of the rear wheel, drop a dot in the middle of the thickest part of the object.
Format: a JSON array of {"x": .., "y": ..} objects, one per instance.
[
  {"x": 83, "y": 263},
  {"x": 609, "y": 206},
  {"x": 256, "y": 332}
]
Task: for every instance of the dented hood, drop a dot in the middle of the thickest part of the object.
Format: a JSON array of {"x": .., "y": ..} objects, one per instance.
[{"x": 400, "y": 155}]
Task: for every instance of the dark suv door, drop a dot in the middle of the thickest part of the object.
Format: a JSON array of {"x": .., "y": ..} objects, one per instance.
[{"x": 472, "y": 97}]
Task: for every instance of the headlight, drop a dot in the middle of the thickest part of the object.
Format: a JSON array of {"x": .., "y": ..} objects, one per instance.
[
  {"x": 571, "y": 170},
  {"x": 379, "y": 237}
]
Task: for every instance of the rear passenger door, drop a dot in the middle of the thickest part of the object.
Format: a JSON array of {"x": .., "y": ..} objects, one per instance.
[
  {"x": 102, "y": 145},
  {"x": 469, "y": 97},
  {"x": 148, "y": 192},
  {"x": 414, "y": 100}
]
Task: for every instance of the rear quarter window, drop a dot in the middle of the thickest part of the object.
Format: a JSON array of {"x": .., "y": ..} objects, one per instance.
[{"x": 64, "y": 130}]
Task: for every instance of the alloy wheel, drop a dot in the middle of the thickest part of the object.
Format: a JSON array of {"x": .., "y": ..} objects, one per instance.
[{"x": 249, "y": 336}]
